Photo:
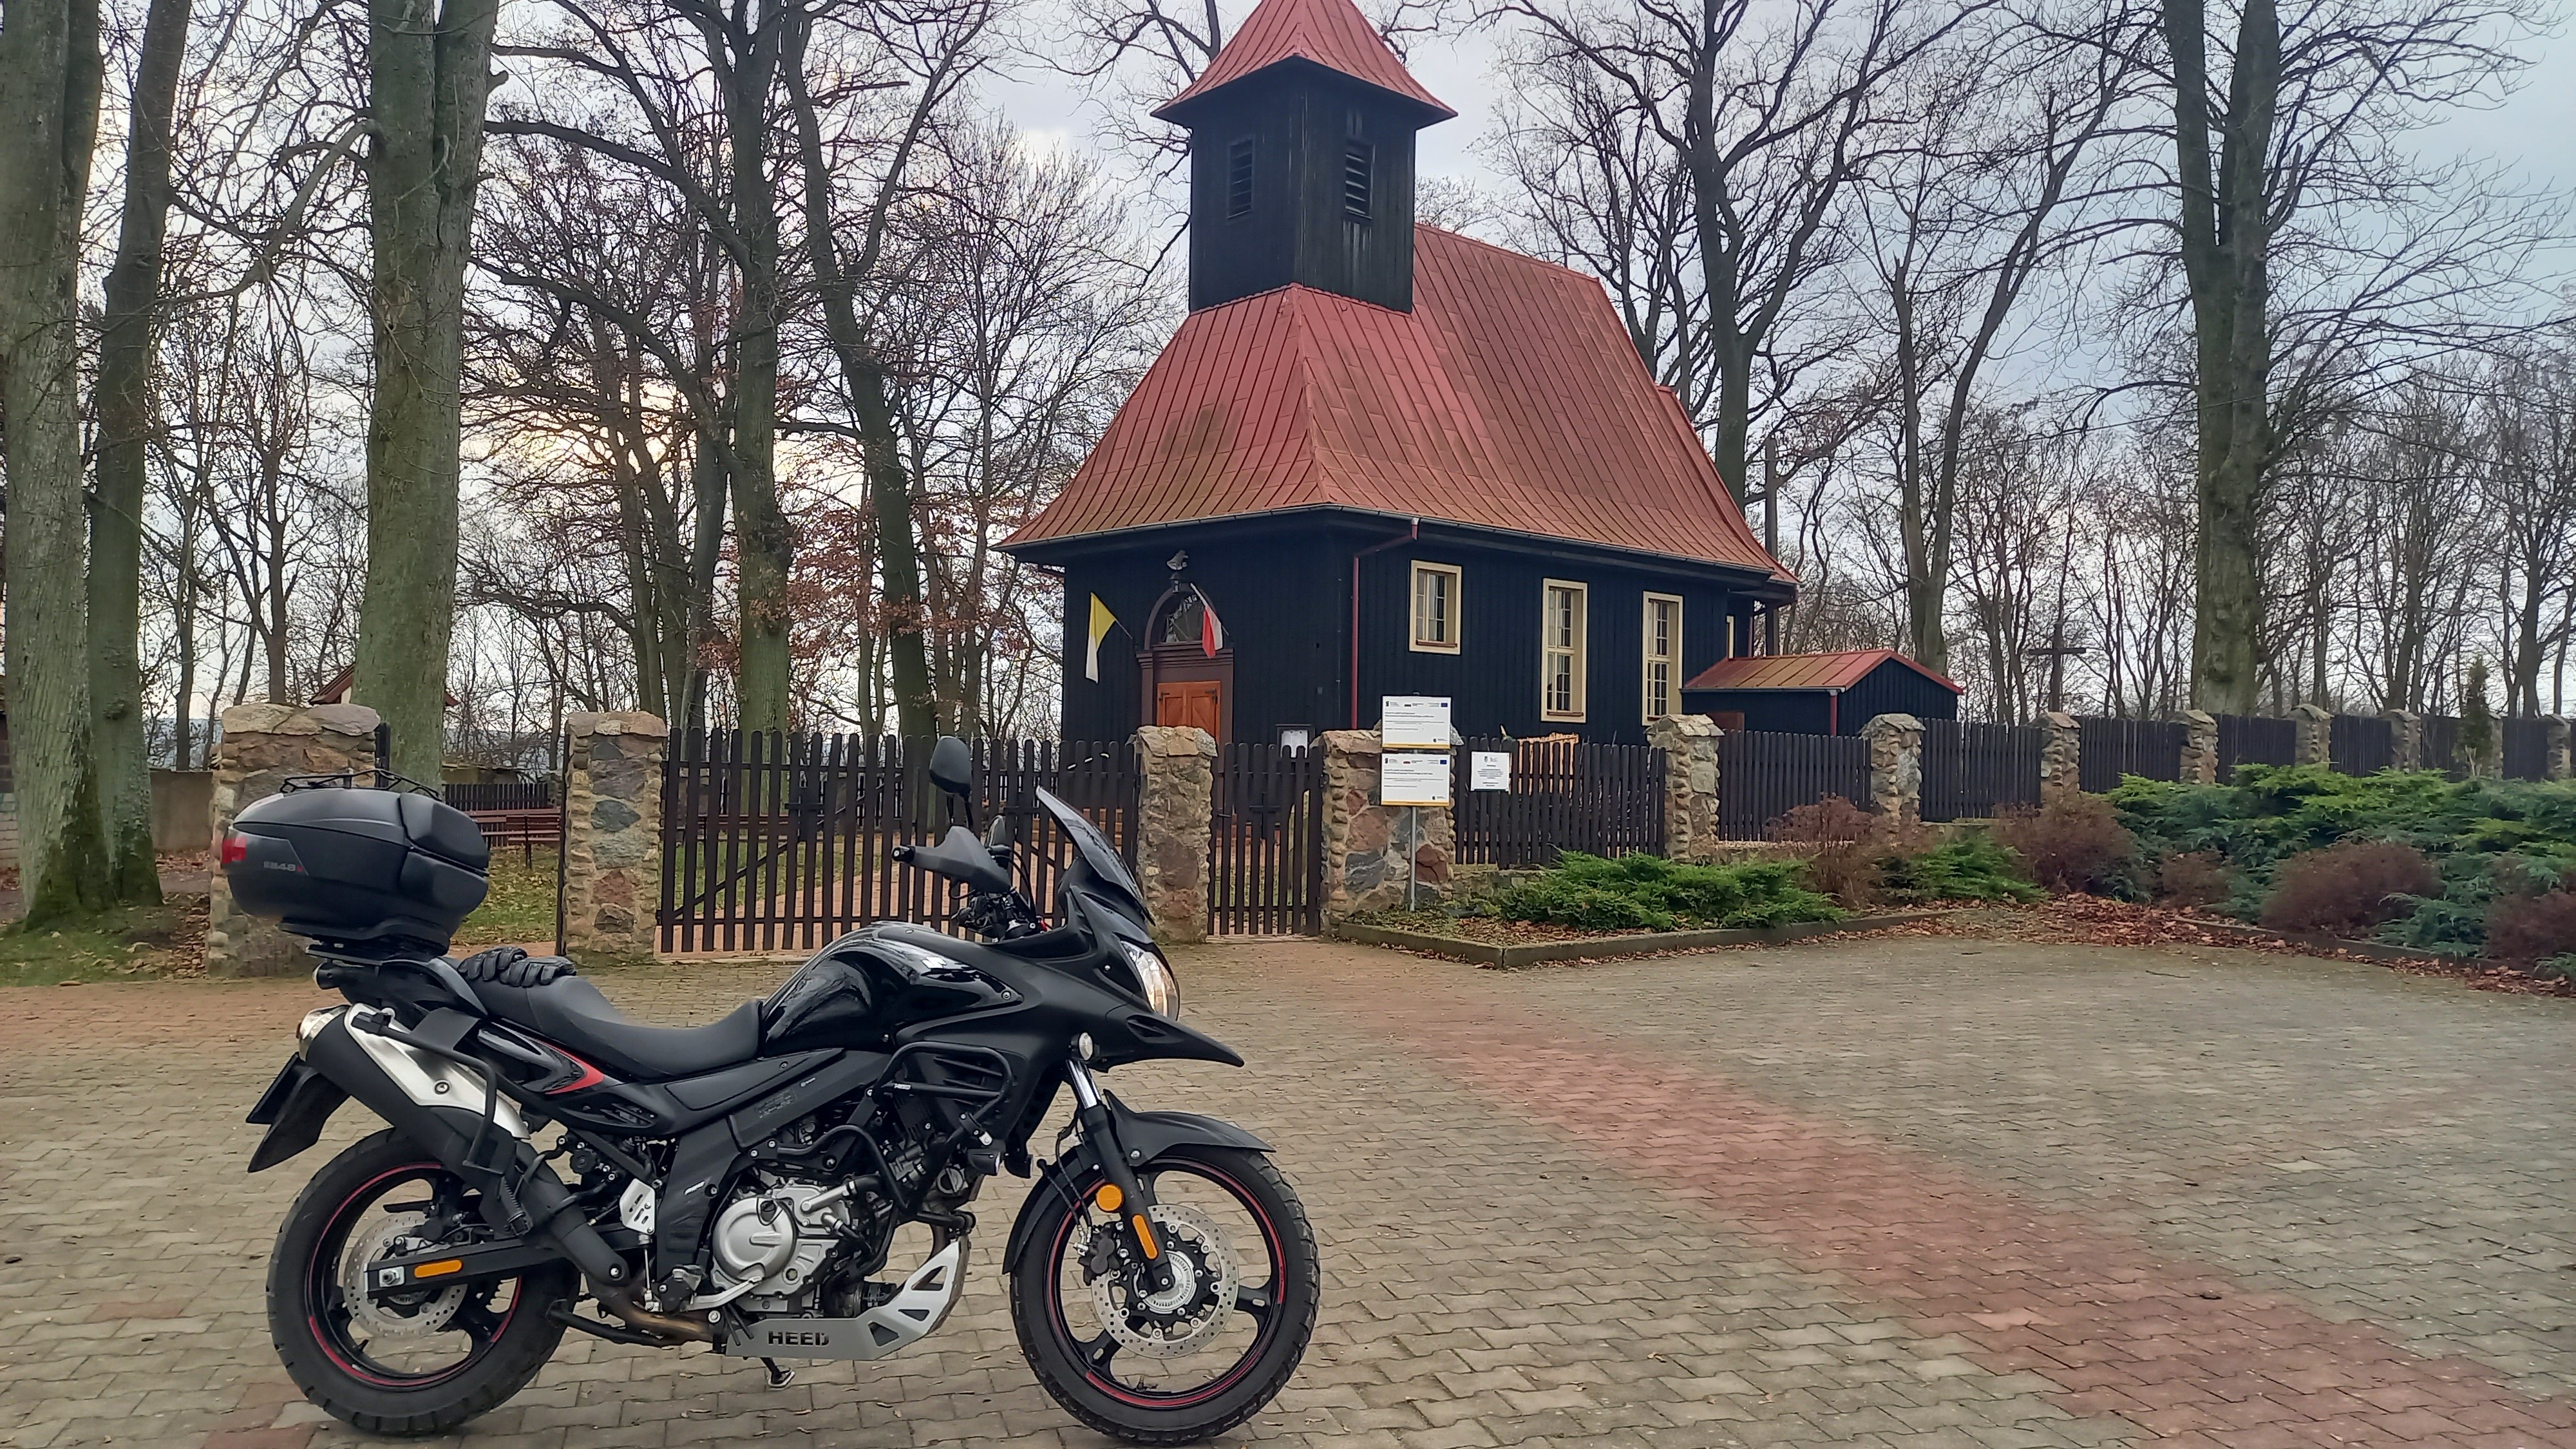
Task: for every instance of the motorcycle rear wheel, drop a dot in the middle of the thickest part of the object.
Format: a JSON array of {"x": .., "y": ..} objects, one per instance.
[
  {"x": 398, "y": 1368},
  {"x": 1201, "y": 1367}
]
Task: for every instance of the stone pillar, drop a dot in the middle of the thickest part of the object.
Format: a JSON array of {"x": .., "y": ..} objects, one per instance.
[
  {"x": 2199, "y": 748},
  {"x": 2556, "y": 763},
  {"x": 1689, "y": 743},
  {"x": 1175, "y": 801},
  {"x": 612, "y": 834},
  {"x": 1367, "y": 844},
  {"x": 263, "y": 745},
  {"x": 2061, "y": 755},
  {"x": 2405, "y": 738},
  {"x": 1896, "y": 765},
  {"x": 2313, "y": 729}
]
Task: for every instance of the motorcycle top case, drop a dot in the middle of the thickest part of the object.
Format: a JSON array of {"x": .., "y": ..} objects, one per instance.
[{"x": 339, "y": 863}]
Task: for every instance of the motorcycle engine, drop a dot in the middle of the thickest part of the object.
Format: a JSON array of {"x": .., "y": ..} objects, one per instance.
[{"x": 772, "y": 1240}]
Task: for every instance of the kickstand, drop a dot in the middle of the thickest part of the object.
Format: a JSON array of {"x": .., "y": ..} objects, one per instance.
[{"x": 779, "y": 1378}]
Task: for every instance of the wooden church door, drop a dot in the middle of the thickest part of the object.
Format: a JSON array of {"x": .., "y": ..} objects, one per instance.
[{"x": 1189, "y": 702}]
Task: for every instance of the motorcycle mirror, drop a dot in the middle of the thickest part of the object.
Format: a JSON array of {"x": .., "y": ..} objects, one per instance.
[{"x": 951, "y": 768}]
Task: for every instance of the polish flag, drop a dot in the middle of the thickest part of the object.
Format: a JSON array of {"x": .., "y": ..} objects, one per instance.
[{"x": 1211, "y": 632}]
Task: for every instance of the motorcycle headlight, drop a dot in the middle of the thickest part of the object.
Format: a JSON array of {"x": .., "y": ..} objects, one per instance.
[{"x": 1154, "y": 978}]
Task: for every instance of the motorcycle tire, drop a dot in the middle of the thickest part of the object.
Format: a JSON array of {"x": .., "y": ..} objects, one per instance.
[
  {"x": 311, "y": 1324},
  {"x": 1081, "y": 1380}
]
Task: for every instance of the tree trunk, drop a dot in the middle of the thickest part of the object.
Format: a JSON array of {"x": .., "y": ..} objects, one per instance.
[
  {"x": 121, "y": 761},
  {"x": 2225, "y": 243},
  {"x": 871, "y": 403},
  {"x": 429, "y": 69},
  {"x": 764, "y": 547},
  {"x": 50, "y": 70}
]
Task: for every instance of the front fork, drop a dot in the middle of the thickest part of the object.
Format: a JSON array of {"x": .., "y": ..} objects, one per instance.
[{"x": 1133, "y": 1206}]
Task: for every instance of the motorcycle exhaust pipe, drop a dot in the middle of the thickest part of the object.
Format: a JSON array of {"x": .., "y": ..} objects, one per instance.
[{"x": 447, "y": 1132}]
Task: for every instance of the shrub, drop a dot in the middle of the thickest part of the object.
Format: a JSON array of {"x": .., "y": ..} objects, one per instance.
[
  {"x": 2072, "y": 843},
  {"x": 1846, "y": 849},
  {"x": 2529, "y": 929},
  {"x": 2350, "y": 888},
  {"x": 2194, "y": 878},
  {"x": 1970, "y": 868},
  {"x": 1649, "y": 893}
]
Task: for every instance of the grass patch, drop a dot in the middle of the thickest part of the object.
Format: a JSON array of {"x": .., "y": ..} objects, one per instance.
[
  {"x": 521, "y": 908},
  {"x": 127, "y": 944}
]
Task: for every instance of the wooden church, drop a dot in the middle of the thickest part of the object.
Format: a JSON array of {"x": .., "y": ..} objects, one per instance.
[{"x": 1381, "y": 458}]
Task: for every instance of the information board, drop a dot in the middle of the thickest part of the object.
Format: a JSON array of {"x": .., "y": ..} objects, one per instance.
[
  {"x": 1413, "y": 778},
  {"x": 1414, "y": 722},
  {"x": 1489, "y": 770}
]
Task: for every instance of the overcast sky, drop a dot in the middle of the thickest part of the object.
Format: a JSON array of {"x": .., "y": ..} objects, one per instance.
[{"x": 2534, "y": 131}]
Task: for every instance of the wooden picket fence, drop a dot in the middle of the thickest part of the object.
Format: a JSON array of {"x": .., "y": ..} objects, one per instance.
[
  {"x": 1565, "y": 795},
  {"x": 2250, "y": 739},
  {"x": 1974, "y": 771},
  {"x": 2111, "y": 747},
  {"x": 784, "y": 841},
  {"x": 2361, "y": 745},
  {"x": 1266, "y": 841},
  {"x": 1763, "y": 775}
]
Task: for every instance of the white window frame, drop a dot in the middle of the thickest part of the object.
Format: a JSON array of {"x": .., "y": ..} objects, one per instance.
[
  {"x": 1647, "y": 659},
  {"x": 1413, "y": 605},
  {"x": 1580, "y": 651}
]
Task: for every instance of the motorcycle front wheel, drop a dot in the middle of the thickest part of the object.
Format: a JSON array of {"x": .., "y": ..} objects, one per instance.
[
  {"x": 422, "y": 1363},
  {"x": 1203, "y": 1352}
]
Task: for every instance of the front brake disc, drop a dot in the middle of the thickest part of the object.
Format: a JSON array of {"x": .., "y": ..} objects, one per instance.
[{"x": 1184, "y": 1317}]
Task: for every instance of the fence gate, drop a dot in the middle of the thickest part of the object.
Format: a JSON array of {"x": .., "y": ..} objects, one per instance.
[
  {"x": 1266, "y": 842},
  {"x": 782, "y": 841},
  {"x": 1972, "y": 771},
  {"x": 1763, "y": 775},
  {"x": 1565, "y": 795}
]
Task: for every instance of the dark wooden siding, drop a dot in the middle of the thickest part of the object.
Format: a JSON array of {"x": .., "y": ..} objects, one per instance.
[
  {"x": 1285, "y": 610},
  {"x": 1891, "y": 688},
  {"x": 1299, "y": 119},
  {"x": 1493, "y": 679},
  {"x": 1283, "y": 593},
  {"x": 1769, "y": 711},
  {"x": 1894, "y": 688}
]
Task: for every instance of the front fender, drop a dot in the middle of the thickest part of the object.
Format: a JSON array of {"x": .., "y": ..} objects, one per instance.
[{"x": 1143, "y": 1139}]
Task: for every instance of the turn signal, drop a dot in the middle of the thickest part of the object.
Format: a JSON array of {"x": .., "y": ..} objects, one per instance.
[{"x": 1109, "y": 1197}]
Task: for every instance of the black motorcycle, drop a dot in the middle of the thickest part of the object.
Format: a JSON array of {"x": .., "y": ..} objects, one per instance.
[{"x": 791, "y": 1182}]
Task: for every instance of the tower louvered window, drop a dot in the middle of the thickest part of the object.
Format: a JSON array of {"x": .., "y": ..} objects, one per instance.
[
  {"x": 1238, "y": 179},
  {"x": 1357, "y": 164}
]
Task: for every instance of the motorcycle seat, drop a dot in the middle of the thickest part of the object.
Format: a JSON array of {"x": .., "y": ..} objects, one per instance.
[{"x": 572, "y": 1013}]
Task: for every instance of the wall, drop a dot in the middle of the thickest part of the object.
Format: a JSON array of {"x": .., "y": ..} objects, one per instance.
[{"x": 1296, "y": 230}]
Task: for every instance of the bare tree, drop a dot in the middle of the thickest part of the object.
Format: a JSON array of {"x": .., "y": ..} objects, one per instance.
[
  {"x": 50, "y": 75},
  {"x": 120, "y": 760},
  {"x": 2286, "y": 160},
  {"x": 429, "y": 66},
  {"x": 1771, "y": 118}
]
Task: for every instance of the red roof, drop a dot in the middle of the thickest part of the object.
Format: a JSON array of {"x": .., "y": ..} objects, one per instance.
[
  {"x": 1329, "y": 33},
  {"x": 1804, "y": 671},
  {"x": 1508, "y": 398}
]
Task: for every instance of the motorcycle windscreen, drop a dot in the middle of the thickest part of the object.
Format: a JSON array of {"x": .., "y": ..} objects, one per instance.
[{"x": 1094, "y": 847}]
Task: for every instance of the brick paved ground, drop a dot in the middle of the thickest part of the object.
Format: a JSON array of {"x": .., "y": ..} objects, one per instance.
[{"x": 1908, "y": 1193}]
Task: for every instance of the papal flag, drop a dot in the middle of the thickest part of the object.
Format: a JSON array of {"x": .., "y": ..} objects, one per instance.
[{"x": 1101, "y": 622}]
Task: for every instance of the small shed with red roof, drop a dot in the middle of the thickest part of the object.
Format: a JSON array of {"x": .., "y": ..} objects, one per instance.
[
  {"x": 1818, "y": 694},
  {"x": 1382, "y": 458}
]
